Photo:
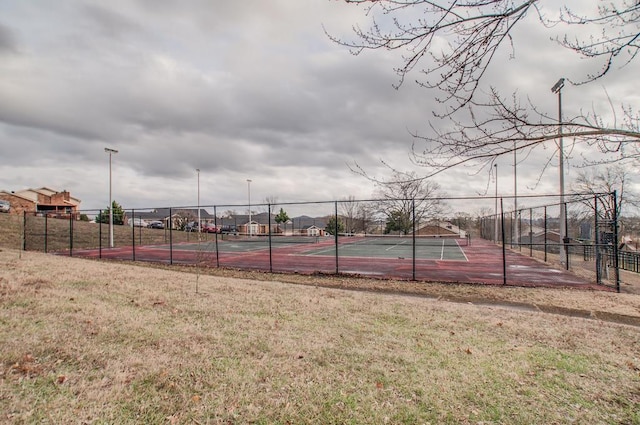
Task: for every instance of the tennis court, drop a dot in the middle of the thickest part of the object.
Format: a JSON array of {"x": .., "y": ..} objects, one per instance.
[
  {"x": 479, "y": 262},
  {"x": 398, "y": 247},
  {"x": 426, "y": 248},
  {"x": 517, "y": 248},
  {"x": 243, "y": 243}
]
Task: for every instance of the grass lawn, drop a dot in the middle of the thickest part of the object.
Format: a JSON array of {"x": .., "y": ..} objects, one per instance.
[{"x": 98, "y": 342}]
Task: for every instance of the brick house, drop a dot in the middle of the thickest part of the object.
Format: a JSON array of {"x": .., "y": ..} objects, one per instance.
[{"x": 43, "y": 200}]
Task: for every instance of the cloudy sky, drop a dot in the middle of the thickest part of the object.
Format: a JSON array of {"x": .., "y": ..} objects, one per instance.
[{"x": 241, "y": 90}]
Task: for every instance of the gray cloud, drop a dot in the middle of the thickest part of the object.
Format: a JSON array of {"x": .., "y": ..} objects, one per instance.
[
  {"x": 8, "y": 43},
  {"x": 239, "y": 90}
]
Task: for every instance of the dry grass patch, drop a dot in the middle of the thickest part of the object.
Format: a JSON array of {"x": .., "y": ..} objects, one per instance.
[
  {"x": 96, "y": 342},
  {"x": 580, "y": 302}
]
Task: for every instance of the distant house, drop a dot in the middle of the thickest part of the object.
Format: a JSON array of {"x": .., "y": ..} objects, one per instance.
[
  {"x": 441, "y": 228},
  {"x": 541, "y": 240},
  {"x": 312, "y": 231},
  {"x": 43, "y": 200},
  {"x": 303, "y": 223},
  {"x": 171, "y": 218},
  {"x": 258, "y": 225}
]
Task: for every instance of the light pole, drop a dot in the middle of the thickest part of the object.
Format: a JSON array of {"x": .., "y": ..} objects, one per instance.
[
  {"x": 249, "y": 193},
  {"x": 557, "y": 88},
  {"x": 110, "y": 152},
  {"x": 495, "y": 223},
  {"x": 198, "y": 171}
]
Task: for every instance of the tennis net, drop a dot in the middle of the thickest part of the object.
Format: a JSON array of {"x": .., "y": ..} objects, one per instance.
[
  {"x": 274, "y": 239},
  {"x": 407, "y": 240}
]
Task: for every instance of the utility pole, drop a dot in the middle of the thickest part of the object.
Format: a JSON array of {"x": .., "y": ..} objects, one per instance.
[
  {"x": 110, "y": 152},
  {"x": 557, "y": 88},
  {"x": 495, "y": 223}
]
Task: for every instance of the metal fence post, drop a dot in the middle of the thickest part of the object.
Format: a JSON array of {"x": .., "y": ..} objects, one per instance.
[
  {"x": 413, "y": 213},
  {"x": 545, "y": 234},
  {"x": 270, "y": 241},
  {"x": 530, "y": 233},
  {"x": 565, "y": 237},
  {"x": 170, "y": 236},
  {"x": 596, "y": 241},
  {"x": 616, "y": 263},
  {"x": 504, "y": 248},
  {"x": 133, "y": 234},
  {"x": 335, "y": 231},
  {"x": 512, "y": 217},
  {"x": 46, "y": 233},
  {"x": 24, "y": 230},
  {"x": 100, "y": 235},
  {"x": 70, "y": 234},
  {"x": 215, "y": 223},
  {"x": 519, "y": 226}
]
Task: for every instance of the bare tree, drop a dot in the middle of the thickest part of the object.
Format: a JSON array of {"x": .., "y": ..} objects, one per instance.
[
  {"x": 482, "y": 132},
  {"x": 268, "y": 200},
  {"x": 356, "y": 214},
  {"x": 608, "y": 180},
  {"x": 404, "y": 192},
  {"x": 453, "y": 43},
  {"x": 474, "y": 30}
]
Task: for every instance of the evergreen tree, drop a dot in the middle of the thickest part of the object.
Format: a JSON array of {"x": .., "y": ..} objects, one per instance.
[
  {"x": 118, "y": 215},
  {"x": 331, "y": 225},
  {"x": 282, "y": 217}
]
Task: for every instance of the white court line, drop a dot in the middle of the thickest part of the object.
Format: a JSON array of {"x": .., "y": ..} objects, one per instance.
[
  {"x": 462, "y": 250},
  {"x": 394, "y": 246},
  {"x": 322, "y": 251},
  {"x": 331, "y": 250}
]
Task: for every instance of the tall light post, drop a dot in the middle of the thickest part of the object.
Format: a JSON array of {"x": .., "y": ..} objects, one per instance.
[
  {"x": 495, "y": 223},
  {"x": 249, "y": 194},
  {"x": 110, "y": 152},
  {"x": 557, "y": 88},
  {"x": 198, "y": 171}
]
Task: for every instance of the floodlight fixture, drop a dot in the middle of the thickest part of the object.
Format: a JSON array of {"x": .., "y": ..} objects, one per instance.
[{"x": 558, "y": 86}]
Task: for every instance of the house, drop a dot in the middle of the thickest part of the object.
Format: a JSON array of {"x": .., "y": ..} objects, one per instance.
[
  {"x": 171, "y": 218},
  {"x": 549, "y": 241},
  {"x": 312, "y": 230},
  {"x": 305, "y": 225},
  {"x": 542, "y": 237},
  {"x": 43, "y": 200},
  {"x": 440, "y": 229},
  {"x": 257, "y": 225}
]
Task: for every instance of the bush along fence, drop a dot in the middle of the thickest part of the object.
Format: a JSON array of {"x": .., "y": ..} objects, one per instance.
[{"x": 466, "y": 239}]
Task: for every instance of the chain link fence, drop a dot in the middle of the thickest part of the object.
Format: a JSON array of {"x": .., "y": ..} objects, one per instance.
[{"x": 471, "y": 239}]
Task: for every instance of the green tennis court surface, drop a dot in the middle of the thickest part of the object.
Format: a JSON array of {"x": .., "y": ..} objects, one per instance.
[
  {"x": 426, "y": 248},
  {"x": 243, "y": 243},
  {"x": 430, "y": 248}
]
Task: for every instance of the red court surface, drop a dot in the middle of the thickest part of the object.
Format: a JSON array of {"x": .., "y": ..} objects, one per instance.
[{"x": 484, "y": 264}]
